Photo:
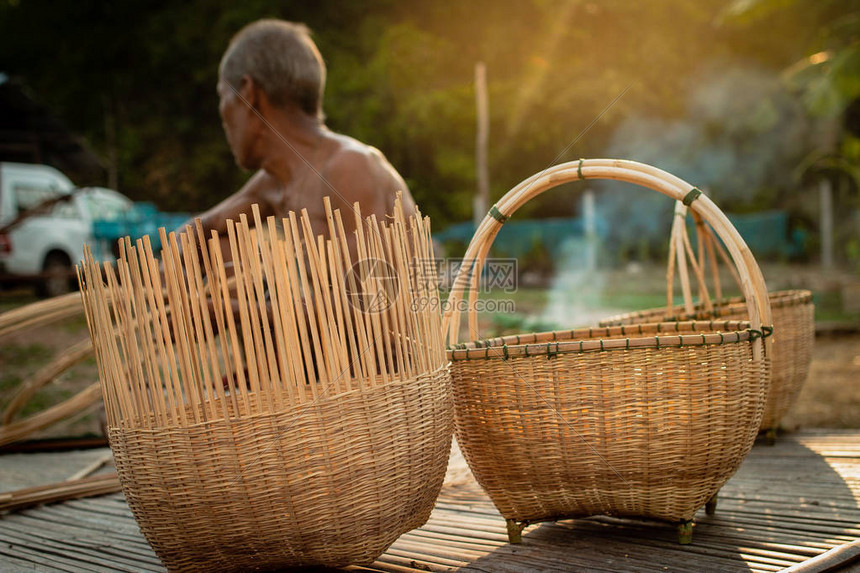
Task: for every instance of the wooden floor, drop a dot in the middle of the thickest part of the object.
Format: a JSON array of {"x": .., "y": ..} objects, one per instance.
[{"x": 787, "y": 504}]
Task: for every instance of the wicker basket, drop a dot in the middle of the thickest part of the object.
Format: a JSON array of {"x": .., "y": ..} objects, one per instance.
[
  {"x": 314, "y": 430},
  {"x": 646, "y": 420},
  {"x": 793, "y": 315}
]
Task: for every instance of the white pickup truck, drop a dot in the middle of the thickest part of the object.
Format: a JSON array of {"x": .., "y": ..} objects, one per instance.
[{"x": 44, "y": 248}]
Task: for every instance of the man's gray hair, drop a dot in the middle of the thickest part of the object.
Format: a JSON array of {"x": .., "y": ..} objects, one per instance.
[{"x": 282, "y": 59}]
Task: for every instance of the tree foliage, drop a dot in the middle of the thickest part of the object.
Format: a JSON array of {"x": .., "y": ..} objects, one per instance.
[{"x": 137, "y": 79}]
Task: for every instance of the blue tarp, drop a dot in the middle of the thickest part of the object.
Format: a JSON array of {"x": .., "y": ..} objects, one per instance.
[
  {"x": 142, "y": 219},
  {"x": 766, "y": 233}
]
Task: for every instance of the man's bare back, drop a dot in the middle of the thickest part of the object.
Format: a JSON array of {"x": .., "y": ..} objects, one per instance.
[{"x": 341, "y": 168}]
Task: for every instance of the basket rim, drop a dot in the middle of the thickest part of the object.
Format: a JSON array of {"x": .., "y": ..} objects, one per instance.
[
  {"x": 591, "y": 339},
  {"x": 721, "y": 307}
]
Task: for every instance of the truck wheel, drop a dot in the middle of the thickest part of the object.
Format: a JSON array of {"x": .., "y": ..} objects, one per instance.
[{"x": 56, "y": 279}]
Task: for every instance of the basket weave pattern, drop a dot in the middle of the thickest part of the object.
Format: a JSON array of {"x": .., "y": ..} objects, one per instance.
[
  {"x": 567, "y": 436},
  {"x": 314, "y": 484},
  {"x": 793, "y": 341}
]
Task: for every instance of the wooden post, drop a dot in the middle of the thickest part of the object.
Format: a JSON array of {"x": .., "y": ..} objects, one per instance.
[
  {"x": 481, "y": 203},
  {"x": 826, "y": 207}
]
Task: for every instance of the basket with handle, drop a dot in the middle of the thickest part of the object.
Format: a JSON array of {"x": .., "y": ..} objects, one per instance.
[
  {"x": 645, "y": 420},
  {"x": 281, "y": 416},
  {"x": 793, "y": 313}
]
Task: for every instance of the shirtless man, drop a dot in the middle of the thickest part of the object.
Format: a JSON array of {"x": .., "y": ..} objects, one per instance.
[{"x": 270, "y": 85}]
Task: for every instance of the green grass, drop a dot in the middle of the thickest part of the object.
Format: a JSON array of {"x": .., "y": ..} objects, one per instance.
[
  {"x": 829, "y": 307},
  {"x": 18, "y": 355}
]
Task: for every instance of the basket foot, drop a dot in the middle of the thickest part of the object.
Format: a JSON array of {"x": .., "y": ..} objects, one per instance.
[
  {"x": 770, "y": 437},
  {"x": 685, "y": 532},
  {"x": 515, "y": 530},
  {"x": 711, "y": 506}
]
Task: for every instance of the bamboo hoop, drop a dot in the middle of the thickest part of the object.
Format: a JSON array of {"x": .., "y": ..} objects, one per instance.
[
  {"x": 20, "y": 429},
  {"x": 27, "y": 389},
  {"x": 752, "y": 282},
  {"x": 40, "y": 313}
]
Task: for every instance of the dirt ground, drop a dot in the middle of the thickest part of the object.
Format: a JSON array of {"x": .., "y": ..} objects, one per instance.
[{"x": 830, "y": 398}]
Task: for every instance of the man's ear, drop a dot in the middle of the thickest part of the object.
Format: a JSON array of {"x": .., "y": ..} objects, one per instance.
[{"x": 250, "y": 91}]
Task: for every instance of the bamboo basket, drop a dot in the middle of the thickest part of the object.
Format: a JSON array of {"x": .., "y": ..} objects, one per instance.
[
  {"x": 793, "y": 314},
  {"x": 314, "y": 430},
  {"x": 645, "y": 420}
]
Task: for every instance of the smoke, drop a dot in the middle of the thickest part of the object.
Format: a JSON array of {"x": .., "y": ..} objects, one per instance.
[
  {"x": 739, "y": 140},
  {"x": 741, "y": 137}
]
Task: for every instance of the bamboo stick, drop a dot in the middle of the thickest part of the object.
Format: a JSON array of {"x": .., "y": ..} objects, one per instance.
[
  {"x": 239, "y": 390},
  {"x": 257, "y": 314},
  {"x": 323, "y": 375},
  {"x": 339, "y": 271},
  {"x": 62, "y": 491},
  {"x": 300, "y": 311},
  {"x": 320, "y": 319},
  {"x": 92, "y": 467},
  {"x": 368, "y": 365},
  {"x": 294, "y": 379}
]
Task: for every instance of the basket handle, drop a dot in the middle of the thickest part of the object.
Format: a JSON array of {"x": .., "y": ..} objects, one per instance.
[
  {"x": 752, "y": 281},
  {"x": 681, "y": 250}
]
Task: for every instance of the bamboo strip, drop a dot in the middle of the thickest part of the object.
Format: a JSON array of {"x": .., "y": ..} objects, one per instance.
[
  {"x": 239, "y": 389},
  {"x": 300, "y": 311},
  {"x": 146, "y": 312},
  {"x": 321, "y": 318},
  {"x": 40, "y": 313},
  {"x": 163, "y": 338},
  {"x": 280, "y": 349},
  {"x": 23, "y": 428},
  {"x": 239, "y": 268},
  {"x": 346, "y": 322},
  {"x": 323, "y": 373},
  {"x": 208, "y": 359},
  {"x": 181, "y": 322},
  {"x": 371, "y": 317},
  {"x": 257, "y": 312},
  {"x": 62, "y": 491},
  {"x": 209, "y": 293},
  {"x": 286, "y": 329},
  {"x": 368, "y": 367},
  {"x": 378, "y": 259},
  {"x": 91, "y": 468}
]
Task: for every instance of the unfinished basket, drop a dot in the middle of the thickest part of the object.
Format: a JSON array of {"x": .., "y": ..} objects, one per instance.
[
  {"x": 793, "y": 314},
  {"x": 296, "y": 413},
  {"x": 646, "y": 420}
]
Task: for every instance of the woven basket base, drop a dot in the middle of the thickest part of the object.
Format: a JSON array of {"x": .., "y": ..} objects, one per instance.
[
  {"x": 330, "y": 483},
  {"x": 650, "y": 432}
]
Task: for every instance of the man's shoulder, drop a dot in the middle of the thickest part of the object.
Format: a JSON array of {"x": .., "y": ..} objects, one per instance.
[
  {"x": 360, "y": 165},
  {"x": 349, "y": 153}
]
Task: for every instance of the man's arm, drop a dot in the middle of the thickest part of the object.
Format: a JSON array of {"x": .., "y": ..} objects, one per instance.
[{"x": 261, "y": 189}]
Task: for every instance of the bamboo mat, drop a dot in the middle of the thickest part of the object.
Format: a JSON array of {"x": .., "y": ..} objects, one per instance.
[{"x": 787, "y": 504}]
